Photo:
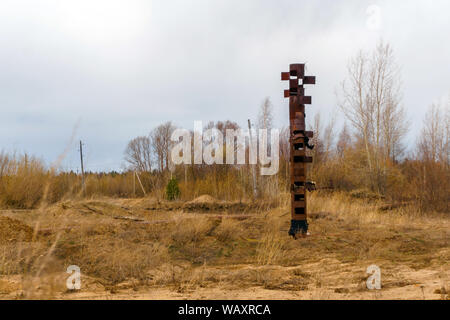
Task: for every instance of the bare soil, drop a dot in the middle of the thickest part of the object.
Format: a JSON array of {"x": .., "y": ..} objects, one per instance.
[{"x": 128, "y": 249}]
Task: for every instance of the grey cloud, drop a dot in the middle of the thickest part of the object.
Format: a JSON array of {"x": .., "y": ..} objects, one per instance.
[{"x": 123, "y": 67}]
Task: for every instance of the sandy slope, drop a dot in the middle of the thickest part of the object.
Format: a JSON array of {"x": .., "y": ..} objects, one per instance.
[{"x": 211, "y": 255}]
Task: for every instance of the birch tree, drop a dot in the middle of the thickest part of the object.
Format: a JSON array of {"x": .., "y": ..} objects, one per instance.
[{"x": 370, "y": 98}]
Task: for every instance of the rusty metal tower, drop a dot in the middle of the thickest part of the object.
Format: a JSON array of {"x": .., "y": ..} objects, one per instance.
[{"x": 299, "y": 141}]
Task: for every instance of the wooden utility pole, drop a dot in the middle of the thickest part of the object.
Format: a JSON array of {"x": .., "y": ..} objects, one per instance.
[
  {"x": 140, "y": 183},
  {"x": 255, "y": 191},
  {"x": 82, "y": 169}
]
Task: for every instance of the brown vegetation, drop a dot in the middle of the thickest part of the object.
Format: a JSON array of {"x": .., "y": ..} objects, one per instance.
[
  {"x": 124, "y": 248},
  {"x": 376, "y": 203}
]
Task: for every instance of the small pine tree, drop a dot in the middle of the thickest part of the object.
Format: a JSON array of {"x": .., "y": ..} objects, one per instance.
[{"x": 172, "y": 190}]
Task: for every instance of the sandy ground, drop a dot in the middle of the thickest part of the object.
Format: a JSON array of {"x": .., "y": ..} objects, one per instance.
[
  {"x": 397, "y": 283},
  {"x": 413, "y": 255}
]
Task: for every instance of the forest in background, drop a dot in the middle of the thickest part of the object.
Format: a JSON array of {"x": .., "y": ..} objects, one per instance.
[{"x": 366, "y": 157}]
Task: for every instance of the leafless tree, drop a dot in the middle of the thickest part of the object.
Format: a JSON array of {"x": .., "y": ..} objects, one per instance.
[
  {"x": 354, "y": 101},
  {"x": 318, "y": 151},
  {"x": 433, "y": 143},
  {"x": 344, "y": 141},
  {"x": 139, "y": 154},
  {"x": 433, "y": 170},
  {"x": 284, "y": 143},
  {"x": 370, "y": 99},
  {"x": 161, "y": 144},
  {"x": 395, "y": 127},
  {"x": 328, "y": 138},
  {"x": 265, "y": 116}
]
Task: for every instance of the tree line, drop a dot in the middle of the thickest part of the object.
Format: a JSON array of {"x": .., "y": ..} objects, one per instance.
[{"x": 366, "y": 157}]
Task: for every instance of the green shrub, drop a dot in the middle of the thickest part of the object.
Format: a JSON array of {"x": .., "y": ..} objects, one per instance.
[{"x": 172, "y": 190}]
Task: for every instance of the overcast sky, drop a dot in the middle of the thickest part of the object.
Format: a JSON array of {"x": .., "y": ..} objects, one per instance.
[{"x": 111, "y": 70}]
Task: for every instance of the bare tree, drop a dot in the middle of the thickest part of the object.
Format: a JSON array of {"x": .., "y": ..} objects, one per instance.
[
  {"x": 265, "y": 116},
  {"x": 344, "y": 141},
  {"x": 317, "y": 128},
  {"x": 433, "y": 170},
  {"x": 328, "y": 138},
  {"x": 385, "y": 95},
  {"x": 318, "y": 151},
  {"x": 284, "y": 143},
  {"x": 285, "y": 150},
  {"x": 139, "y": 154},
  {"x": 161, "y": 144},
  {"x": 395, "y": 127},
  {"x": 354, "y": 101},
  {"x": 265, "y": 121},
  {"x": 433, "y": 144},
  {"x": 370, "y": 99}
]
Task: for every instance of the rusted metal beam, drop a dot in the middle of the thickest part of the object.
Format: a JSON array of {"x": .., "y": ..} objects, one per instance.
[
  {"x": 304, "y": 100},
  {"x": 285, "y": 76},
  {"x": 309, "y": 80},
  {"x": 297, "y": 70}
]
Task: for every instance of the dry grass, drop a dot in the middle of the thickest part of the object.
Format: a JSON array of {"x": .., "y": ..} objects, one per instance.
[
  {"x": 187, "y": 251},
  {"x": 21, "y": 181},
  {"x": 191, "y": 230},
  {"x": 270, "y": 247},
  {"x": 229, "y": 230}
]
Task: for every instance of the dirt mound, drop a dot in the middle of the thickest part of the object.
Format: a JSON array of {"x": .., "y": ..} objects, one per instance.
[
  {"x": 13, "y": 230},
  {"x": 203, "y": 199}
]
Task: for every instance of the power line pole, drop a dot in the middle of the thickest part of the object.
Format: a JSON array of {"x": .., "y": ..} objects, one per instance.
[
  {"x": 139, "y": 179},
  {"x": 255, "y": 191},
  {"x": 82, "y": 169}
]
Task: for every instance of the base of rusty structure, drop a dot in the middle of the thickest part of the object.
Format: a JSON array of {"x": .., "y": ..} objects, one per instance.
[
  {"x": 299, "y": 142},
  {"x": 298, "y": 227}
]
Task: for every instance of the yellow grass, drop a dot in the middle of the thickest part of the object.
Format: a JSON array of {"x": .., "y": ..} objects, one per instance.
[{"x": 120, "y": 245}]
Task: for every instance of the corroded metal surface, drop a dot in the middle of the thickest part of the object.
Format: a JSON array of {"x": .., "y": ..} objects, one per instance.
[{"x": 299, "y": 142}]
